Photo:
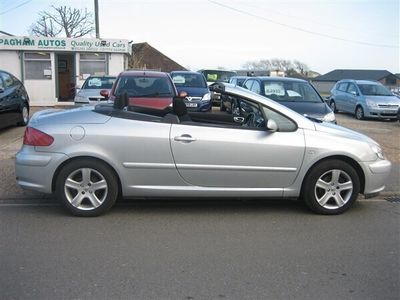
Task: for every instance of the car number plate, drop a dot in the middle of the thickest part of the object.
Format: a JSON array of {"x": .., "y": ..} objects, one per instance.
[
  {"x": 191, "y": 104},
  {"x": 389, "y": 112}
]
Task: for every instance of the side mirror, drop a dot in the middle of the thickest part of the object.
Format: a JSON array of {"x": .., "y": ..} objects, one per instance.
[
  {"x": 354, "y": 93},
  {"x": 105, "y": 93},
  {"x": 272, "y": 126},
  {"x": 183, "y": 94}
]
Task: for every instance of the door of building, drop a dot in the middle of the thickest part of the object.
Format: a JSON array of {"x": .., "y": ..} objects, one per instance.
[{"x": 65, "y": 76}]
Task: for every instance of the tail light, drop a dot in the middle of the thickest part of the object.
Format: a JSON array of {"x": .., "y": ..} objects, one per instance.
[{"x": 34, "y": 137}]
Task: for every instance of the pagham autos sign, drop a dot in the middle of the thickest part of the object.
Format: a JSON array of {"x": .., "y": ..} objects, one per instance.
[{"x": 63, "y": 44}]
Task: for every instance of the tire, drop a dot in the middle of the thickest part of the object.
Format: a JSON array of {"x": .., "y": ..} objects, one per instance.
[
  {"x": 359, "y": 113},
  {"x": 92, "y": 187},
  {"x": 24, "y": 115},
  {"x": 331, "y": 187},
  {"x": 332, "y": 105}
]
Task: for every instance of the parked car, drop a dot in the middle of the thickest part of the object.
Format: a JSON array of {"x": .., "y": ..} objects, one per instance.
[
  {"x": 364, "y": 99},
  {"x": 194, "y": 84},
  {"x": 14, "y": 101},
  {"x": 90, "y": 91},
  {"x": 238, "y": 80},
  {"x": 297, "y": 94},
  {"x": 144, "y": 88},
  {"x": 90, "y": 155}
]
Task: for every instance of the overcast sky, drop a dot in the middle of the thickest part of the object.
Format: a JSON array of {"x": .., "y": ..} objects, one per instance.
[{"x": 324, "y": 34}]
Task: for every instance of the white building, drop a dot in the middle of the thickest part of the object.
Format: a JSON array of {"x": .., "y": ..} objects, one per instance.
[{"x": 50, "y": 68}]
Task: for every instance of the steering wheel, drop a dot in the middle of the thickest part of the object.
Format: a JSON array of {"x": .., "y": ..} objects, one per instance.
[{"x": 252, "y": 121}]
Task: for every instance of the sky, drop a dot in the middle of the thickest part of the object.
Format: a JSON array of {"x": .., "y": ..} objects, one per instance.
[{"x": 324, "y": 34}]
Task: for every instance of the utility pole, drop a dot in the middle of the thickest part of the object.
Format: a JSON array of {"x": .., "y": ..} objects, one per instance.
[{"x": 96, "y": 18}]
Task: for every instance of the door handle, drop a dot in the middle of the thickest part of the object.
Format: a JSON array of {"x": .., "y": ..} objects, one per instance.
[
  {"x": 186, "y": 138},
  {"x": 238, "y": 119}
]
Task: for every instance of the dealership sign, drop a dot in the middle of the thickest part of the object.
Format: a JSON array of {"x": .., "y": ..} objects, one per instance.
[{"x": 63, "y": 44}]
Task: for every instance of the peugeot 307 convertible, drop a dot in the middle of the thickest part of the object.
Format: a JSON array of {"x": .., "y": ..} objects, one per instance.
[{"x": 89, "y": 156}]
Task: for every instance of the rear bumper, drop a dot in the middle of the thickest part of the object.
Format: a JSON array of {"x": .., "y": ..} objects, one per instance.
[
  {"x": 35, "y": 170},
  {"x": 376, "y": 174}
]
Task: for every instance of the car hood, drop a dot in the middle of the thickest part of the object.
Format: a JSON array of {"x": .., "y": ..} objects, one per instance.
[
  {"x": 384, "y": 99},
  {"x": 313, "y": 109},
  {"x": 90, "y": 93},
  {"x": 342, "y": 132},
  {"x": 80, "y": 115},
  {"x": 193, "y": 91}
]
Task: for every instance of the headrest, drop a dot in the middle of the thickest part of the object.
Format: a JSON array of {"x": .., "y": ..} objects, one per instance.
[{"x": 179, "y": 107}]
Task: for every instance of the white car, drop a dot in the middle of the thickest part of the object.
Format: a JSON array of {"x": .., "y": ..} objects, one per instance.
[{"x": 90, "y": 91}]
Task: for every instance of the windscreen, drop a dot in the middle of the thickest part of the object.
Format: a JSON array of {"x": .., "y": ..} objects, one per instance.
[
  {"x": 100, "y": 83},
  {"x": 217, "y": 75},
  {"x": 140, "y": 86},
  {"x": 189, "y": 80},
  {"x": 283, "y": 91},
  {"x": 374, "y": 90}
]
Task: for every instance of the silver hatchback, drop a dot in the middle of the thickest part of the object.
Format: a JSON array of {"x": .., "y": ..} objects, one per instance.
[
  {"x": 89, "y": 155},
  {"x": 364, "y": 99}
]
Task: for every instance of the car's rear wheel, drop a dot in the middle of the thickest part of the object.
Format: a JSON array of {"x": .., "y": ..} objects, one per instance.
[
  {"x": 24, "y": 115},
  {"x": 332, "y": 105},
  {"x": 359, "y": 113},
  {"x": 87, "y": 187},
  {"x": 331, "y": 187}
]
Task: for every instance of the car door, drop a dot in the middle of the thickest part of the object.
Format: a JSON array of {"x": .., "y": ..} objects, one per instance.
[
  {"x": 351, "y": 97},
  {"x": 340, "y": 97},
  {"x": 241, "y": 157},
  {"x": 8, "y": 97}
]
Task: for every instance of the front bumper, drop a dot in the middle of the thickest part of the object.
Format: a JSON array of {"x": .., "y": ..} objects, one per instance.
[
  {"x": 376, "y": 174},
  {"x": 35, "y": 170},
  {"x": 381, "y": 113}
]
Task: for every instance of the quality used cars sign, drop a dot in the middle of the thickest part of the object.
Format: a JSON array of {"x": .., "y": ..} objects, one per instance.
[{"x": 63, "y": 44}]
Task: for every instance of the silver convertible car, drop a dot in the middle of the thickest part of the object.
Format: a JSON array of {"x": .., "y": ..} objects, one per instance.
[{"x": 90, "y": 156}]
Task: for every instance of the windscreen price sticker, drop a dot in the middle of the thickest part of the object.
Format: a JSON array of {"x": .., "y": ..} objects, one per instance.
[{"x": 274, "y": 88}]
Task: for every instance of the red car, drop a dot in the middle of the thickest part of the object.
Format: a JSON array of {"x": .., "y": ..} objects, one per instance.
[{"x": 144, "y": 88}]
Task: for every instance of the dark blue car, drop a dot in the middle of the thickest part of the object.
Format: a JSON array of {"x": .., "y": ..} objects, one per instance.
[
  {"x": 194, "y": 84},
  {"x": 299, "y": 95}
]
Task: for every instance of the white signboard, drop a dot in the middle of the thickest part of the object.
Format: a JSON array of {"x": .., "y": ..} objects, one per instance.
[{"x": 64, "y": 44}]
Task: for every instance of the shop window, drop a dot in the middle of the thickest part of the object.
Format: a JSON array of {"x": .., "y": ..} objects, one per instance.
[
  {"x": 92, "y": 64},
  {"x": 37, "y": 65}
]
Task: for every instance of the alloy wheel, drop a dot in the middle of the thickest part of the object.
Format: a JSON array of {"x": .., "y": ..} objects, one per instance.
[
  {"x": 86, "y": 189},
  {"x": 333, "y": 189}
]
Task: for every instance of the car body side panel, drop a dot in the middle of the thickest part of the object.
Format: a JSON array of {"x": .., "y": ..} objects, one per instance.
[
  {"x": 237, "y": 158},
  {"x": 138, "y": 151}
]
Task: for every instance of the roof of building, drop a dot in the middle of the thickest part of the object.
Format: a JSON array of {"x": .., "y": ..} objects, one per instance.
[
  {"x": 340, "y": 74},
  {"x": 144, "y": 56}
]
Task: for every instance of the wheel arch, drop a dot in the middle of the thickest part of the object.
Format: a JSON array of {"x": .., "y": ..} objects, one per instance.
[
  {"x": 344, "y": 158},
  {"x": 59, "y": 168}
]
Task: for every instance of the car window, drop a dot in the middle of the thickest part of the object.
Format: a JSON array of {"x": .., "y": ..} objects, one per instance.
[
  {"x": 99, "y": 83},
  {"x": 256, "y": 88},
  {"x": 352, "y": 88},
  {"x": 248, "y": 84},
  {"x": 284, "y": 123},
  {"x": 8, "y": 81},
  {"x": 250, "y": 111},
  {"x": 189, "y": 80},
  {"x": 374, "y": 89},
  {"x": 290, "y": 91},
  {"x": 141, "y": 86},
  {"x": 343, "y": 86}
]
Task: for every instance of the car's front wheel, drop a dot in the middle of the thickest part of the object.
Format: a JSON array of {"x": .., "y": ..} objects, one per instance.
[
  {"x": 331, "y": 187},
  {"x": 87, "y": 187},
  {"x": 359, "y": 113}
]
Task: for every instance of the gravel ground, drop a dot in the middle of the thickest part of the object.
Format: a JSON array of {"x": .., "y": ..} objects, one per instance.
[{"x": 386, "y": 133}]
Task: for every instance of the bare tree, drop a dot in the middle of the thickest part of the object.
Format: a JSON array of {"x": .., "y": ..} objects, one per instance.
[
  {"x": 66, "y": 21},
  {"x": 301, "y": 67}
]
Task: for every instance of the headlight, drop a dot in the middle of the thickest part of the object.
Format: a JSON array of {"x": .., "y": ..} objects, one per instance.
[
  {"x": 372, "y": 103},
  {"x": 330, "y": 117},
  {"x": 80, "y": 99},
  {"x": 206, "y": 97},
  {"x": 377, "y": 150}
]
